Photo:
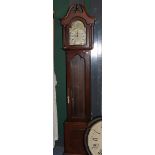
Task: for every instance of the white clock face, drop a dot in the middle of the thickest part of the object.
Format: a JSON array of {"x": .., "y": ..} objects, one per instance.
[
  {"x": 77, "y": 33},
  {"x": 95, "y": 139}
]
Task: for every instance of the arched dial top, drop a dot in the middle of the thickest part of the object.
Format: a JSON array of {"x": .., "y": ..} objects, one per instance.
[
  {"x": 77, "y": 33},
  {"x": 77, "y": 29}
]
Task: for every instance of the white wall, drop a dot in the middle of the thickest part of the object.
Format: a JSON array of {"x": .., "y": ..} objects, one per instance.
[
  {"x": 129, "y": 77},
  {"x": 25, "y": 77}
]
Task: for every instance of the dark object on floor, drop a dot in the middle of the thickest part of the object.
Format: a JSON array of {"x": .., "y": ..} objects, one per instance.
[{"x": 58, "y": 150}]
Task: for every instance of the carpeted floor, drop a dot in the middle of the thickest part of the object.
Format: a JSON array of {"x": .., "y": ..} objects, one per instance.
[{"x": 58, "y": 150}]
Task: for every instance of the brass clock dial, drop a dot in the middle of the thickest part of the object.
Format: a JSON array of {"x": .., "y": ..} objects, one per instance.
[
  {"x": 77, "y": 33},
  {"x": 93, "y": 140}
]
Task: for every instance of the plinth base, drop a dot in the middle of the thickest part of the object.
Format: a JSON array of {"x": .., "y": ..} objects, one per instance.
[{"x": 74, "y": 138}]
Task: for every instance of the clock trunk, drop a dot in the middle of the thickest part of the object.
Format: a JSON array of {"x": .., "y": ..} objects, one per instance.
[{"x": 78, "y": 86}]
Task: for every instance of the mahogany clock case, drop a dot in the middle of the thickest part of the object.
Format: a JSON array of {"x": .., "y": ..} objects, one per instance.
[{"x": 78, "y": 67}]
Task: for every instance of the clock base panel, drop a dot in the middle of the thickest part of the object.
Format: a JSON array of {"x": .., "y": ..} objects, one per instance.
[{"x": 74, "y": 138}]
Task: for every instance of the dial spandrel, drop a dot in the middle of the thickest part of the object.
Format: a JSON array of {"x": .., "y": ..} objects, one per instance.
[{"x": 77, "y": 33}]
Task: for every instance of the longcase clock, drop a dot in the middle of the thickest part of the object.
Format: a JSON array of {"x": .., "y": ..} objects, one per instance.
[{"x": 77, "y": 42}]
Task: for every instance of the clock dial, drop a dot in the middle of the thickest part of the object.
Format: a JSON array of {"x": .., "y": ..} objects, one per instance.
[
  {"x": 95, "y": 139},
  {"x": 77, "y": 33}
]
